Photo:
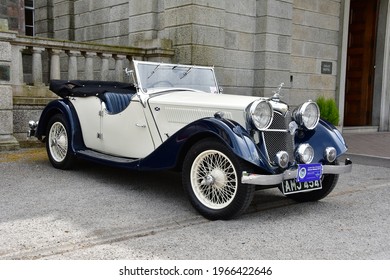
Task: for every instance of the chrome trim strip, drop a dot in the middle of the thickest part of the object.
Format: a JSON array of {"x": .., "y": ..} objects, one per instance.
[
  {"x": 257, "y": 179},
  {"x": 276, "y": 130}
]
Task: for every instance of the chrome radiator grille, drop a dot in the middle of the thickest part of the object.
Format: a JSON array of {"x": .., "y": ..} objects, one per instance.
[{"x": 277, "y": 137}]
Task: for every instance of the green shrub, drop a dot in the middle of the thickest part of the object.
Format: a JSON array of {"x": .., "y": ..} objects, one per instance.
[{"x": 328, "y": 110}]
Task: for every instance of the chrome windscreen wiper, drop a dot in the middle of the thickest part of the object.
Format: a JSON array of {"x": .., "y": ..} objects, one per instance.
[
  {"x": 154, "y": 71},
  {"x": 186, "y": 73}
]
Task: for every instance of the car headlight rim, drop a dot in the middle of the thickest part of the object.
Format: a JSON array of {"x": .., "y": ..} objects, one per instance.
[
  {"x": 330, "y": 154},
  {"x": 304, "y": 115},
  {"x": 261, "y": 114},
  {"x": 305, "y": 153},
  {"x": 282, "y": 159}
]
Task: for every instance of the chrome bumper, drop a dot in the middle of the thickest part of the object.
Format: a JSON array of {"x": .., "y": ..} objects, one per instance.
[{"x": 256, "y": 179}]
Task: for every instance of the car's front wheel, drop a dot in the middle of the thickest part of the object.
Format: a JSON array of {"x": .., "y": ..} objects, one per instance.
[
  {"x": 58, "y": 143},
  {"x": 212, "y": 179}
]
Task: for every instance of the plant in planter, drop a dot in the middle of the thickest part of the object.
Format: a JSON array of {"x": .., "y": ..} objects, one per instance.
[{"x": 328, "y": 110}]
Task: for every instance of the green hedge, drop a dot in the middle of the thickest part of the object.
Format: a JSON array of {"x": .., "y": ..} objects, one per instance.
[{"x": 329, "y": 110}]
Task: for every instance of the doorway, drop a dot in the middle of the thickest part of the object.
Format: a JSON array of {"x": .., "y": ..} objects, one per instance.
[{"x": 360, "y": 71}]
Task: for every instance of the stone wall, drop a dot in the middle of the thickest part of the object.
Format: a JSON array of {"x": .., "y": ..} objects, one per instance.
[
  {"x": 273, "y": 46},
  {"x": 218, "y": 33},
  {"x": 254, "y": 44},
  {"x": 13, "y": 12},
  {"x": 44, "y": 20},
  {"x": 103, "y": 21},
  {"x": 7, "y": 140},
  {"x": 315, "y": 41}
]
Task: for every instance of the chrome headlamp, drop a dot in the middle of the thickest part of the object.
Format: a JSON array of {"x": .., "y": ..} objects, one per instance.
[
  {"x": 282, "y": 159},
  {"x": 330, "y": 154},
  {"x": 307, "y": 115},
  {"x": 261, "y": 114},
  {"x": 305, "y": 153}
]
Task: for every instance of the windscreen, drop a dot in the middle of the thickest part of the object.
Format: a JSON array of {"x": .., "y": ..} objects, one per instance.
[{"x": 161, "y": 75}]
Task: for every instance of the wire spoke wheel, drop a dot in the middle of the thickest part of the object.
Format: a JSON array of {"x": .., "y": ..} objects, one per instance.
[
  {"x": 58, "y": 141},
  {"x": 214, "y": 179}
]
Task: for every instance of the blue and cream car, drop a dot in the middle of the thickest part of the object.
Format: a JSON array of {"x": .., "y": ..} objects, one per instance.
[{"x": 174, "y": 117}]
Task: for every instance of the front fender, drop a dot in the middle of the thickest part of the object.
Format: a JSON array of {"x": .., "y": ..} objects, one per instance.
[
  {"x": 64, "y": 107},
  {"x": 171, "y": 153},
  {"x": 323, "y": 136}
]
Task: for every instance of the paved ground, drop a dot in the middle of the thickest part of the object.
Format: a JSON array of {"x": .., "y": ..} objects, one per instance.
[
  {"x": 369, "y": 148},
  {"x": 95, "y": 212}
]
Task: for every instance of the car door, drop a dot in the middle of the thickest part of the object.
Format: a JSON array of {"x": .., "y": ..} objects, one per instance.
[
  {"x": 88, "y": 111},
  {"x": 126, "y": 134}
]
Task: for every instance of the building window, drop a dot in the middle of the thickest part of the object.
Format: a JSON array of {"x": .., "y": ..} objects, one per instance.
[{"x": 29, "y": 17}]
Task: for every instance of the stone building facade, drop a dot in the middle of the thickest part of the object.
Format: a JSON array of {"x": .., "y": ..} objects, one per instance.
[
  {"x": 255, "y": 45},
  {"x": 333, "y": 48},
  {"x": 13, "y": 12}
]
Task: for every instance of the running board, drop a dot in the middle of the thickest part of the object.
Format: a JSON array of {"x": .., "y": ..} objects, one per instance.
[{"x": 100, "y": 157}]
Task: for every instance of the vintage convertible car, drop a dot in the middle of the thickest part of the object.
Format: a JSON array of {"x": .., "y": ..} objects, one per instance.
[{"x": 175, "y": 117}]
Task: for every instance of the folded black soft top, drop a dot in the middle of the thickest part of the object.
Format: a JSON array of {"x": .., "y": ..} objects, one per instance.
[{"x": 80, "y": 88}]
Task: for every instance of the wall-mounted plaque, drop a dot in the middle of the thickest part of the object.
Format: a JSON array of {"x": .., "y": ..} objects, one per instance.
[
  {"x": 4, "y": 73},
  {"x": 326, "y": 67}
]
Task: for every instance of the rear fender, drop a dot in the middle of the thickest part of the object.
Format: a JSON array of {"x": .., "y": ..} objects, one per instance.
[
  {"x": 64, "y": 107},
  {"x": 171, "y": 153}
]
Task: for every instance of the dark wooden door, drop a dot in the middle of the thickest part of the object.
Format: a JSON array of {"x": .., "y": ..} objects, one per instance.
[{"x": 360, "y": 63}]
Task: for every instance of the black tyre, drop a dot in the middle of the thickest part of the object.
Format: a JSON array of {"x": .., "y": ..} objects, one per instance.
[
  {"x": 212, "y": 179},
  {"x": 329, "y": 181},
  {"x": 58, "y": 143}
]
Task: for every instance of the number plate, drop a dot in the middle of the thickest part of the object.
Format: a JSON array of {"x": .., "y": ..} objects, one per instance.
[
  {"x": 308, "y": 179},
  {"x": 292, "y": 186}
]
